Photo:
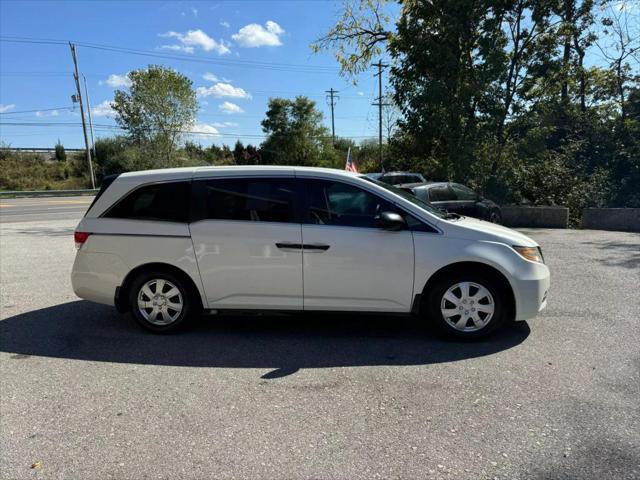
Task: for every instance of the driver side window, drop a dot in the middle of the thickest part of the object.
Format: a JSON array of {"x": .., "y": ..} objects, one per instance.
[{"x": 341, "y": 204}]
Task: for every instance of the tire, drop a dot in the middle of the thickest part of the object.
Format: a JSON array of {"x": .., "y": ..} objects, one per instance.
[
  {"x": 488, "y": 312},
  {"x": 495, "y": 217},
  {"x": 170, "y": 304}
]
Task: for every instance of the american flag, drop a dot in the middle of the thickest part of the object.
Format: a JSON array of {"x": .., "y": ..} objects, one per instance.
[{"x": 350, "y": 166}]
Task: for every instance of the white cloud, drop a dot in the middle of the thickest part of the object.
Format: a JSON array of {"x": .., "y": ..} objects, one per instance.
[
  {"x": 361, "y": 93},
  {"x": 195, "y": 38},
  {"x": 178, "y": 48},
  {"x": 6, "y": 108},
  {"x": 117, "y": 81},
  {"x": 210, "y": 77},
  {"x": 222, "y": 90},
  {"x": 104, "y": 109},
  {"x": 52, "y": 113},
  {"x": 228, "y": 107},
  {"x": 202, "y": 129},
  {"x": 225, "y": 24},
  {"x": 224, "y": 124},
  {"x": 194, "y": 11},
  {"x": 254, "y": 35}
]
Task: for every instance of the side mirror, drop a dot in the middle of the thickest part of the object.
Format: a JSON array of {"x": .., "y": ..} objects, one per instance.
[{"x": 390, "y": 221}]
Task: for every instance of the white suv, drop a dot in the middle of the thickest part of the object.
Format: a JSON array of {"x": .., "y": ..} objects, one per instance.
[{"x": 167, "y": 244}]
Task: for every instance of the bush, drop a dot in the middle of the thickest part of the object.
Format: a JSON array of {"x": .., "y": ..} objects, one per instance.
[
  {"x": 30, "y": 171},
  {"x": 61, "y": 155}
]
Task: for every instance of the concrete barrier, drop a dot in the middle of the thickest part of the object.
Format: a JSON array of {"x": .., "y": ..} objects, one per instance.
[
  {"x": 540, "y": 217},
  {"x": 618, "y": 219}
]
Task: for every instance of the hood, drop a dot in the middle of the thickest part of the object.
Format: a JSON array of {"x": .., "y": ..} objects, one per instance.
[{"x": 473, "y": 229}]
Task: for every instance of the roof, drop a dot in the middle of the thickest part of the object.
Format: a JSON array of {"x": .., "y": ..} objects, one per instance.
[
  {"x": 420, "y": 184},
  {"x": 189, "y": 172},
  {"x": 393, "y": 173}
]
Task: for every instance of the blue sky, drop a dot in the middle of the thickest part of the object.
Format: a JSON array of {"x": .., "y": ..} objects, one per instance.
[{"x": 237, "y": 53}]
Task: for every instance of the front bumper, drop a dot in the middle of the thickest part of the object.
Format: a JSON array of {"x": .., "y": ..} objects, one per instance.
[{"x": 531, "y": 293}]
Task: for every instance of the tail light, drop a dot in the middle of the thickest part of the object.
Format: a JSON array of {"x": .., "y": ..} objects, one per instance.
[{"x": 80, "y": 238}]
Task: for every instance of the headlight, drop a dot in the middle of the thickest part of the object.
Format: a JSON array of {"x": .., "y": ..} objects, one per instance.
[{"x": 533, "y": 254}]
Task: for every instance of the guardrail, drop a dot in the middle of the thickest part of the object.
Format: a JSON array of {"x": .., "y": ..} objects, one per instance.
[{"x": 45, "y": 193}]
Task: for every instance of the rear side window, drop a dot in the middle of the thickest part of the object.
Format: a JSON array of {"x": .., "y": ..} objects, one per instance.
[
  {"x": 440, "y": 193},
  {"x": 165, "y": 202},
  {"x": 247, "y": 199}
]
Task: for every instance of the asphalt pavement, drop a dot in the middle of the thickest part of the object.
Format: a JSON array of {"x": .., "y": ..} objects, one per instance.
[
  {"x": 42, "y": 208},
  {"x": 84, "y": 393}
]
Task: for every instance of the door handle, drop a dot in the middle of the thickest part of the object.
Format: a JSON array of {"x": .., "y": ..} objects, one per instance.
[
  {"x": 315, "y": 247},
  {"x": 289, "y": 246}
]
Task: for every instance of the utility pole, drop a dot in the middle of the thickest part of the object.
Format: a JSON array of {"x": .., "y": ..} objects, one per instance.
[
  {"x": 86, "y": 93},
  {"x": 380, "y": 104},
  {"x": 84, "y": 126},
  {"x": 332, "y": 103}
]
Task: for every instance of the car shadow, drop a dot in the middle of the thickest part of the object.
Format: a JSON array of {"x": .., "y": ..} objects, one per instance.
[{"x": 82, "y": 330}]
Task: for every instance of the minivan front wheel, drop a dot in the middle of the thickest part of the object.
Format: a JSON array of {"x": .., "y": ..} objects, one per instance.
[
  {"x": 159, "y": 302},
  {"x": 467, "y": 306}
]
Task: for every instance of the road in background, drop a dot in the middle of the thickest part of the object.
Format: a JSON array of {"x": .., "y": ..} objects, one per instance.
[
  {"x": 85, "y": 393},
  {"x": 43, "y": 208}
]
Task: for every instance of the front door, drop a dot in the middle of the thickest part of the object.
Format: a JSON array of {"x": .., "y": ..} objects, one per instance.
[
  {"x": 247, "y": 241},
  {"x": 349, "y": 262},
  {"x": 466, "y": 200}
]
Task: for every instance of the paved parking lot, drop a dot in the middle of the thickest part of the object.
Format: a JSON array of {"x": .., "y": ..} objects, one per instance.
[{"x": 85, "y": 394}]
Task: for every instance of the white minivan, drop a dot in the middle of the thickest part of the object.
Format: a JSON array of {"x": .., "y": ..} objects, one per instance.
[{"x": 168, "y": 244}]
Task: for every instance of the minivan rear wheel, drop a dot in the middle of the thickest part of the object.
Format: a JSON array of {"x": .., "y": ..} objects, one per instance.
[
  {"x": 160, "y": 302},
  {"x": 467, "y": 306}
]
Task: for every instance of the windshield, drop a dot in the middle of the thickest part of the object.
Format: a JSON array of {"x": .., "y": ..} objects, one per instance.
[{"x": 409, "y": 197}]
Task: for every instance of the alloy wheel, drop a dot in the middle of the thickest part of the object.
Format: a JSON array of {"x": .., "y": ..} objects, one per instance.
[
  {"x": 467, "y": 306},
  {"x": 160, "y": 302}
]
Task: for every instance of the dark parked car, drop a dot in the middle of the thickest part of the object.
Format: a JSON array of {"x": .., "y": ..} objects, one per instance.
[
  {"x": 455, "y": 198},
  {"x": 397, "y": 178}
]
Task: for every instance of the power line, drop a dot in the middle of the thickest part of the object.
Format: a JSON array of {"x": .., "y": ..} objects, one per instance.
[
  {"x": 36, "y": 111},
  {"x": 98, "y": 126},
  {"x": 299, "y": 68},
  {"x": 257, "y": 93}
]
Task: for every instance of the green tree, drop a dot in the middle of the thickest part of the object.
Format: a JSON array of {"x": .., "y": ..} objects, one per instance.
[
  {"x": 359, "y": 36},
  {"x": 295, "y": 134},
  {"x": 61, "y": 155},
  {"x": 239, "y": 153},
  {"x": 156, "y": 110},
  {"x": 253, "y": 155},
  {"x": 448, "y": 56}
]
